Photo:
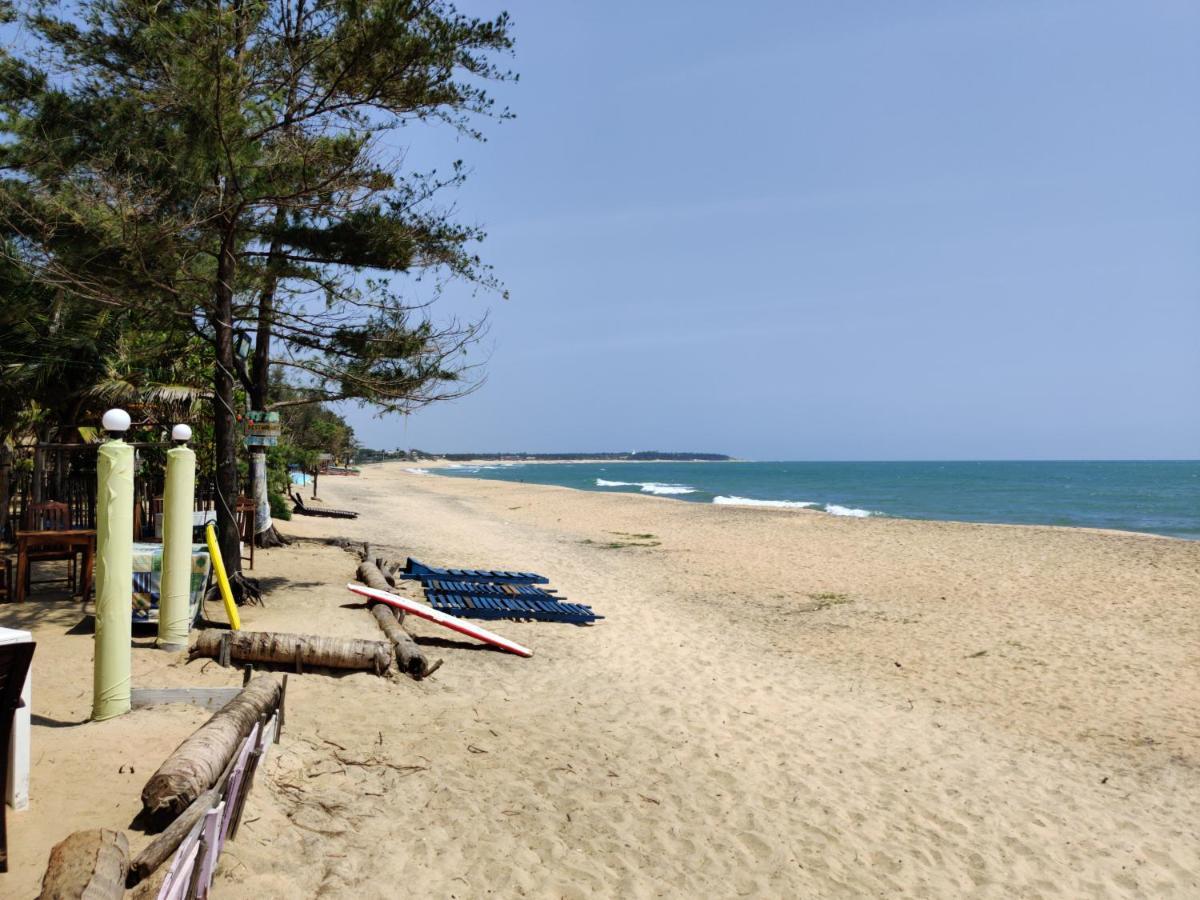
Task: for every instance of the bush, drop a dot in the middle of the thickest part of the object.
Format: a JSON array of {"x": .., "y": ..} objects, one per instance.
[{"x": 280, "y": 508}]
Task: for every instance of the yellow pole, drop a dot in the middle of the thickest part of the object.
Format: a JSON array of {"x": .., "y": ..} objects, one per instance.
[
  {"x": 218, "y": 564},
  {"x": 174, "y": 596},
  {"x": 114, "y": 580}
]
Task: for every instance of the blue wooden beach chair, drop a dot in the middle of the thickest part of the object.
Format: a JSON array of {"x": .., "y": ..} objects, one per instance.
[
  {"x": 418, "y": 571},
  {"x": 545, "y": 608}
]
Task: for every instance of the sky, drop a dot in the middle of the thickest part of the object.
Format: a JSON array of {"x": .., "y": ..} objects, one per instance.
[{"x": 864, "y": 230}]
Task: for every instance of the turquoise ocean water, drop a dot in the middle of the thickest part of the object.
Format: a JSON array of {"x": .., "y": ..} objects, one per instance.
[{"x": 1155, "y": 497}]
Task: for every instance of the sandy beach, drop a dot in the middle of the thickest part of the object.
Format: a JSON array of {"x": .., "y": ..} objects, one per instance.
[{"x": 777, "y": 704}]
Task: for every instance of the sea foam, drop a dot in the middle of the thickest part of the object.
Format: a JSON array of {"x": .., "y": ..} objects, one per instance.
[
  {"x": 648, "y": 487},
  {"x": 651, "y": 487},
  {"x": 834, "y": 510},
  {"x": 749, "y": 501},
  {"x": 417, "y": 471}
]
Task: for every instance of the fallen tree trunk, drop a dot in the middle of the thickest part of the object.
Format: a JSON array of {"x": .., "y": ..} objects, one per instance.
[
  {"x": 88, "y": 864},
  {"x": 297, "y": 649},
  {"x": 372, "y": 576},
  {"x": 410, "y": 658},
  {"x": 198, "y": 763},
  {"x": 162, "y": 847}
]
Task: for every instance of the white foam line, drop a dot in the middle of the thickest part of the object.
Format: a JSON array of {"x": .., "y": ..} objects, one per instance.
[{"x": 779, "y": 504}]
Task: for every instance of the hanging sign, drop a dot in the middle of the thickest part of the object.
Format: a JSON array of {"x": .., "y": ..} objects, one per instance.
[{"x": 262, "y": 429}]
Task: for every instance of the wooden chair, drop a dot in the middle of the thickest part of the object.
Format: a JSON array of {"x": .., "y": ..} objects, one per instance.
[
  {"x": 50, "y": 516},
  {"x": 14, "y": 666}
]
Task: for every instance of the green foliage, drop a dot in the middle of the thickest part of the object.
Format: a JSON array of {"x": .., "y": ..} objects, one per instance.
[
  {"x": 219, "y": 171},
  {"x": 280, "y": 508},
  {"x": 191, "y": 155},
  {"x": 64, "y": 361}
]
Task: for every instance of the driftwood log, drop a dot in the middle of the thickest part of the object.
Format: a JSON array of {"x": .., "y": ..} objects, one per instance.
[
  {"x": 87, "y": 864},
  {"x": 370, "y": 574},
  {"x": 198, "y": 763},
  {"x": 410, "y": 658},
  {"x": 294, "y": 649},
  {"x": 162, "y": 847}
]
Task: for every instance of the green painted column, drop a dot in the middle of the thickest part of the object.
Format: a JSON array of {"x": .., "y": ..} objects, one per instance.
[
  {"x": 114, "y": 577},
  {"x": 174, "y": 607}
]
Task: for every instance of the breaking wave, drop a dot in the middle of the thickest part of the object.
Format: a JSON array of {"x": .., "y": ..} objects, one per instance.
[
  {"x": 832, "y": 508},
  {"x": 417, "y": 471},
  {"x": 748, "y": 501},
  {"x": 649, "y": 487}
]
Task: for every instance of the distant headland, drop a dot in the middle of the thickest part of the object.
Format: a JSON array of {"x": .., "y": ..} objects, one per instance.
[{"x": 364, "y": 455}]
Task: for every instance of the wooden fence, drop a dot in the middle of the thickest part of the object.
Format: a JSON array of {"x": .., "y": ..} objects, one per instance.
[{"x": 191, "y": 870}]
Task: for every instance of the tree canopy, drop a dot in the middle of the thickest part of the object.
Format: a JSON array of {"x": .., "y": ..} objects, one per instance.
[{"x": 232, "y": 168}]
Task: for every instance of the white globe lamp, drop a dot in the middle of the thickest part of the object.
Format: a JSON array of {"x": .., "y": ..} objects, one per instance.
[{"x": 115, "y": 422}]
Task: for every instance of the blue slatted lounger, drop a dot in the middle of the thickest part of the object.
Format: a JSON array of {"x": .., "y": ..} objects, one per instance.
[
  {"x": 484, "y": 588},
  {"x": 487, "y": 594},
  {"x": 417, "y": 571},
  {"x": 542, "y": 609}
]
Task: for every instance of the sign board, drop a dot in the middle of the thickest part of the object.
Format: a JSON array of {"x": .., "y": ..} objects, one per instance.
[{"x": 262, "y": 429}]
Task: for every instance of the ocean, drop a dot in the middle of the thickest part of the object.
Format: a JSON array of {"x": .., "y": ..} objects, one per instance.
[{"x": 1154, "y": 497}]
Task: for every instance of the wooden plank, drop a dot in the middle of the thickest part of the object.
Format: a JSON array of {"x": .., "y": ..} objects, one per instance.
[
  {"x": 212, "y": 845},
  {"x": 180, "y": 872},
  {"x": 207, "y": 698}
]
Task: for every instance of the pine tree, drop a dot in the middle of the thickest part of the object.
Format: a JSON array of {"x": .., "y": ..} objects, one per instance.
[{"x": 227, "y": 162}]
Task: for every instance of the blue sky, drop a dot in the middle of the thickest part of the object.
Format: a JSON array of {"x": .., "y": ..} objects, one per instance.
[{"x": 867, "y": 230}]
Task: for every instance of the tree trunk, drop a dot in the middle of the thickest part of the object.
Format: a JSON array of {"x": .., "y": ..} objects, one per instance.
[
  {"x": 162, "y": 847},
  {"x": 271, "y": 537},
  {"x": 89, "y": 864},
  {"x": 265, "y": 534},
  {"x": 226, "y": 431},
  {"x": 197, "y": 763},
  {"x": 409, "y": 656},
  {"x": 260, "y": 372},
  {"x": 295, "y": 649}
]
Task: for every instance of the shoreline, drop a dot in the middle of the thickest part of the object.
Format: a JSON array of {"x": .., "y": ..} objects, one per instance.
[{"x": 769, "y": 506}]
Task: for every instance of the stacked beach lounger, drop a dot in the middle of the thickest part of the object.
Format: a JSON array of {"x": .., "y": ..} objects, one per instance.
[{"x": 487, "y": 594}]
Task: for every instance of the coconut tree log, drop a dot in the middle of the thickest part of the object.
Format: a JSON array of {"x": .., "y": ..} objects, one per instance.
[
  {"x": 162, "y": 847},
  {"x": 198, "y": 763},
  {"x": 89, "y": 864},
  {"x": 370, "y": 574},
  {"x": 297, "y": 649},
  {"x": 410, "y": 658}
]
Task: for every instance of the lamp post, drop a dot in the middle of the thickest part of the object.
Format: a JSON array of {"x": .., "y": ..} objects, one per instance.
[
  {"x": 174, "y": 595},
  {"x": 114, "y": 570}
]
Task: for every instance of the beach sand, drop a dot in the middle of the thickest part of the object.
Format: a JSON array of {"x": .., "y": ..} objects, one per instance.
[{"x": 778, "y": 703}]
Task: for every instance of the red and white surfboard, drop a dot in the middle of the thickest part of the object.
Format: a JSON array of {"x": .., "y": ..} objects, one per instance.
[{"x": 441, "y": 618}]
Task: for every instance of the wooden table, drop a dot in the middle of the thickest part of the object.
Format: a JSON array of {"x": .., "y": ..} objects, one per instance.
[{"x": 82, "y": 539}]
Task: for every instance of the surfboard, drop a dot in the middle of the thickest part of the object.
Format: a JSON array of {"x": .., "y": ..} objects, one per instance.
[{"x": 441, "y": 618}]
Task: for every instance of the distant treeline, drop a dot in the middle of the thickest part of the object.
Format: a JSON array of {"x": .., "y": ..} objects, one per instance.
[{"x": 367, "y": 455}]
